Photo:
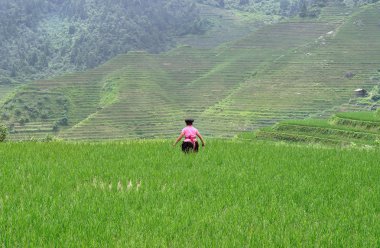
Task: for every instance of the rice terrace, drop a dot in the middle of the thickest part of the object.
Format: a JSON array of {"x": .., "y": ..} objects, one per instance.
[{"x": 284, "y": 95}]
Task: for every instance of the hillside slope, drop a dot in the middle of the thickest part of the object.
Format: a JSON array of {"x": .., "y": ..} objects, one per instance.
[
  {"x": 343, "y": 129},
  {"x": 42, "y": 38},
  {"x": 288, "y": 70}
]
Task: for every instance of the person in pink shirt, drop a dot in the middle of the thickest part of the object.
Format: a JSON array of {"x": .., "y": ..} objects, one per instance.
[{"x": 190, "y": 133}]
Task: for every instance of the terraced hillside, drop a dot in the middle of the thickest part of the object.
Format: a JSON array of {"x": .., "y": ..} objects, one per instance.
[
  {"x": 226, "y": 26},
  {"x": 350, "y": 128},
  {"x": 289, "y": 70}
]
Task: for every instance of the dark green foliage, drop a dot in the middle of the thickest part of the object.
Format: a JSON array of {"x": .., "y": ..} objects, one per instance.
[
  {"x": 40, "y": 38},
  {"x": 5, "y": 80},
  {"x": 31, "y": 106},
  {"x": 284, "y": 6},
  {"x": 43, "y": 37},
  {"x": 56, "y": 127},
  {"x": 375, "y": 97},
  {"x": 243, "y": 2},
  {"x": 303, "y": 8},
  {"x": 3, "y": 132},
  {"x": 64, "y": 121}
]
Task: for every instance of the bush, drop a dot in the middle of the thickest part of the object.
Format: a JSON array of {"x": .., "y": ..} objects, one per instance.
[
  {"x": 5, "y": 116},
  {"x": 55, "y": 127},
  {"x": 5, "y": 81},
  {"x": 23, "y": 120},
  {"x": 18, "y": 112},
  {"x": 3, "y": 132},
  {"x": 44, "y": 115},
  {"x": 64, "y": 121},
  {"x": 375, "y": 98}
]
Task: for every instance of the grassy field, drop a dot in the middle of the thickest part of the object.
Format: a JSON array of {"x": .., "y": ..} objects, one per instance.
[
  {"x": 231, "y": 194},
  {"x": 360, "y": 116}
]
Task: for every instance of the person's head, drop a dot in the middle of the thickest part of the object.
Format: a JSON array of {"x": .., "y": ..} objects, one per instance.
[{"x": 189, "y": 122}]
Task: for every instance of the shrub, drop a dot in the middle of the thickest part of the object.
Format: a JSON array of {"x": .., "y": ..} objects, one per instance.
[
  {"x": 5, "y": 116},
  {"x": 44, "y": 114},
  {"x": 3, "y": 132},
  {"x": 23, "y": 120},
  {"x": 55, "y": 127},
  {"x": 48, "y": 138},
  {"x": 18, "y": 112},
  {"x": 5, "y": 81},
  {"x": 64, "y": 121},
  {"x": 375, "y": 98}
]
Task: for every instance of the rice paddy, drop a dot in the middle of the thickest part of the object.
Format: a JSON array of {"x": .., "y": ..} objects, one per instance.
[
  {"x": 149, "y": 194},
  {"x": 236, "y": 192}
]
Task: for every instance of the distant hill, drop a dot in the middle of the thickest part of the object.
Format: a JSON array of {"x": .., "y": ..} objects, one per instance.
[
  {"x": 290, "y": 70},
  {"x": 43, "y": 38}
]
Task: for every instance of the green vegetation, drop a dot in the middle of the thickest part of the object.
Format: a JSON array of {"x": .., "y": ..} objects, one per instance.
[
  {"x": 242, "y": 192},
  {"x": 40, "y": 38},
  {"x": 289, "y": 70},
  {"x": 371, "y": 98},
  {"x": 110, "y": 91},
  {"x": 357, "y": 128},
  {"x": 36, "y": 111},
  {"x": 361, "y": 116},
  {"x": 230, "y": 194},
  {"x": 3, "y": 132},
  {"x": 303, "y": 8},
  {"x": 359, "y": 121}
]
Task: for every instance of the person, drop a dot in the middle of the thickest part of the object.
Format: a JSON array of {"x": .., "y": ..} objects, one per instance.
[{"x": 190, "y": 144}]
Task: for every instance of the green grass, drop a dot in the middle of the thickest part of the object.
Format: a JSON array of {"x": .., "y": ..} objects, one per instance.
[
  {"x": 328, "y": 124},
  {"x": 360, "y": 116},
  {"x": 347, "y": 129},
  {"x": 365, "y": 121},
  {"x": 232, "y": 194}
]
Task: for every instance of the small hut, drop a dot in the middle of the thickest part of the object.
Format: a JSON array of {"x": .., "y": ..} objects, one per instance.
[{"x": 360, "y": 92}]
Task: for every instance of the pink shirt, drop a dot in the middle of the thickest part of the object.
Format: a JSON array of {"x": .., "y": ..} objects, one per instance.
[{"x": 190, "y": 133}]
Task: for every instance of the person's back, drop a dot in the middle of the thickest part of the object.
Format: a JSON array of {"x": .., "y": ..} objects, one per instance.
[{"x": 190, "y": 133}]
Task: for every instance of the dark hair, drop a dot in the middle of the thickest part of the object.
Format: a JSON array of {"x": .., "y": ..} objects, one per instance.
[{"x": 189, "y": 121}]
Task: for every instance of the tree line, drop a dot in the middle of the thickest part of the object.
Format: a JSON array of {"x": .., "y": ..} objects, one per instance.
[
  {"x": 285, "y": 8},
  {"x": 42, "y": 37}
]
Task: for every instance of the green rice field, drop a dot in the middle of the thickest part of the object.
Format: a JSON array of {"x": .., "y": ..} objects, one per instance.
[{"x": 149, "y": 194}]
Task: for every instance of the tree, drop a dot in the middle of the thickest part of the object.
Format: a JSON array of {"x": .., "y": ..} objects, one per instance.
[
  {"x": 302, "y": 6},
  {"x": 243, "y": 2},
  {"x": 92, "y": 32},
  {"x": 284, "y": 6}
]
